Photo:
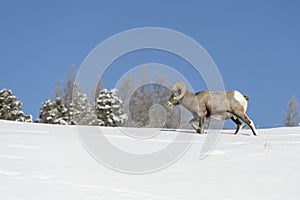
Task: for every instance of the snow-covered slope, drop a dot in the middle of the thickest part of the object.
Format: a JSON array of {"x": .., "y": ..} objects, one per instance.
[{"x": 49, "y": 162}]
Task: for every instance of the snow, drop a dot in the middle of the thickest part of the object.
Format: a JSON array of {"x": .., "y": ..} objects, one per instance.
[{"x": 41, "y": 161}]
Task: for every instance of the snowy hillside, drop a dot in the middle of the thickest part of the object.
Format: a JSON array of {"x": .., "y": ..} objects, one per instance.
[{"x": 49, "y": 162}]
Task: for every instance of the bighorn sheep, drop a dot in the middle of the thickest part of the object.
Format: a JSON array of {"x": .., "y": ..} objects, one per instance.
[{"x": 210, "y": 104}]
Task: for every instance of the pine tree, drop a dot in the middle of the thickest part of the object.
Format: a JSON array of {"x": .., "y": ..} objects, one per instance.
[
  {"x": 79, "y": 110},
  {"x": 82, "y": 109},
  {"x": 109, "y": 108},
  {"x": 291, "y": 115},
  {"x": 54, "y": 112},
  {"x": 71, "y": 115},
  {"x": 10, "y": 108}
]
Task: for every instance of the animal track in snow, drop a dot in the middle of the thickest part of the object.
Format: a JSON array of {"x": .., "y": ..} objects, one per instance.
[
  {"x": 26, "y": 146},
  {"x": 10, "y": 173},
  {"x": 11, "y": 157},
  {"x": 42, "y": 176},
  {"x": 217, "y": 152}
]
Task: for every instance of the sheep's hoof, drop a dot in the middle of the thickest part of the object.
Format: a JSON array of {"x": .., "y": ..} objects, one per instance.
[{"x": 199, "y": 131}]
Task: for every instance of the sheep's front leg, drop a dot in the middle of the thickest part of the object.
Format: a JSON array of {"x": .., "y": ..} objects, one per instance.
[
  {"x": 199, "y": 129},
  {"x": 192, "y": 123},
  {"x": 201, "y": 125}
]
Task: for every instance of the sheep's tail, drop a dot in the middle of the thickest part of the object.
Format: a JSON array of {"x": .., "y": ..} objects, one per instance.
[{"x": 246, "y": 97}]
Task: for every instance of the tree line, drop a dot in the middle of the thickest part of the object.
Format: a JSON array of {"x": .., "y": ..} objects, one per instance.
[
  {"x": 133, "y": 106},
  {"x": 137, "y": 103},
  {"x": 68, "y": 106}
]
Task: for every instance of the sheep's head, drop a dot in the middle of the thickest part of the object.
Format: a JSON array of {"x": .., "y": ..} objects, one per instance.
[
  {"x": 179, "y": 90},
  {"x": 173, "y": 100}
]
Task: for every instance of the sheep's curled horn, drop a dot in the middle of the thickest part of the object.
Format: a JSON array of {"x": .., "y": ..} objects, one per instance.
[{"x": 179, "y": 89}]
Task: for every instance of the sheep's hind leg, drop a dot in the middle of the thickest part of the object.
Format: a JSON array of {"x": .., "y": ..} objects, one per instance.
[
  {"x": 248, "y": 121},
  {"x": 238, "y": 124}
]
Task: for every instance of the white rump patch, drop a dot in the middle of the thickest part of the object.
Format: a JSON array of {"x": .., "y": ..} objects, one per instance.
[{"x": 240, "y": 98}]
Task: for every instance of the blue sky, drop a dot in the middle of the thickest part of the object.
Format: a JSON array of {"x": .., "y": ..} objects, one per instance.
[{"x": 255, "y": 44}]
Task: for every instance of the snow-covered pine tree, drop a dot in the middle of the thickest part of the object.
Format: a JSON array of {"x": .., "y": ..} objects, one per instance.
[
  {"x": 54, "y": 112},
  {"x": 71, "y": 107},
  {"x": 10, "y": 108},
  {"x": 82, "y": 110},
  {"x": 70, "y": 115},
  {"x": 109, "y": 108}
]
